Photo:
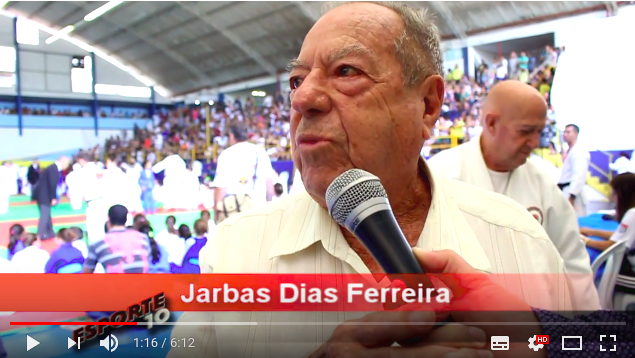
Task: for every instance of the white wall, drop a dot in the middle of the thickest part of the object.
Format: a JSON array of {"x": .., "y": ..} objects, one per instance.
[
  {"x": 489, "y": 57},
  {"x": 36, "y": 142},
  {"x": 6, "y": 31},
  {"x": 526, "y": 31},
  {"x": 606, "y": 121}
]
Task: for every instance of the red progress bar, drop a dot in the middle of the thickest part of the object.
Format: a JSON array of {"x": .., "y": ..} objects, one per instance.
[{"x": 73, "y": 323}]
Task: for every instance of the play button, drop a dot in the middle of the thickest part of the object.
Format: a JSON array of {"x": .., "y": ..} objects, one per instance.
[
  {"x": 71, "y": 343},
  {"x": 31, "y": 343}
]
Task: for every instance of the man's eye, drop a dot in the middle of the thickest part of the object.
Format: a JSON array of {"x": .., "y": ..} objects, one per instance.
[
  {"x": 295, "y": 82},
  {"x": 347, "y": 71}
]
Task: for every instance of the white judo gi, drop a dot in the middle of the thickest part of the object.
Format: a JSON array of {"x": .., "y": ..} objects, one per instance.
[
  {"x": 575, "y": 170},
  {"x": 191, "y": 192},
  {"x": 134, "y": 190},
  {"x": 533, "y": 189},
  {"x": 94, "y": 191},
  {"x": 6, "y": 183},
  {"x": 175, "y": 169},
  {"x": 117, "y": 188},
  {"x": 74, "y": 184},
  {"x": 14, "y": 176}
]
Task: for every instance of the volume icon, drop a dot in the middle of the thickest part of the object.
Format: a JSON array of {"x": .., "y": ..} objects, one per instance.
[{"x": 110, "y": 343}]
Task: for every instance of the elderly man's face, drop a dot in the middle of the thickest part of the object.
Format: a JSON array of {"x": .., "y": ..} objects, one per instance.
[{"x": 350, "y": 108}]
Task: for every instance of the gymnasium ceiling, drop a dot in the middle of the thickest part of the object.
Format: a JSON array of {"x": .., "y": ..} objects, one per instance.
[{"x": 194, "y": 45}]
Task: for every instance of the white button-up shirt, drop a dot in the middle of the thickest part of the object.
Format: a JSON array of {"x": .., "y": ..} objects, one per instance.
[{"x": 492, "y": 233}]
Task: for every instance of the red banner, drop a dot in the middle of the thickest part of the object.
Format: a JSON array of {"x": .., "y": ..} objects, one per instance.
[{"x": 260, "y": 292}]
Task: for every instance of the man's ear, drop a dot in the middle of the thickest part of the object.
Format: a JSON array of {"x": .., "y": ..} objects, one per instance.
[
  {"x": 491, "y": 122},
  {"x": 432, "y": 91}
]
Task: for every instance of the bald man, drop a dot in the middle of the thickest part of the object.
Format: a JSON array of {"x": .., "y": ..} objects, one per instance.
[{"x": 513, "y": 116}]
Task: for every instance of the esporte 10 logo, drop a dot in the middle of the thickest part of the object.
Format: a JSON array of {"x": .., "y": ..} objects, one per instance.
[{"x": 149, "y": 312}]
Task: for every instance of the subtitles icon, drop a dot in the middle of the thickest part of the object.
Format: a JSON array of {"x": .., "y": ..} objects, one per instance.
[
  {"x": 110, "y": 343},
  {"x": 500, "y": 343}
]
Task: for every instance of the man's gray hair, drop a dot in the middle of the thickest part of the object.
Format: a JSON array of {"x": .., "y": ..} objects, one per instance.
[{"x": 418, "y": 48}]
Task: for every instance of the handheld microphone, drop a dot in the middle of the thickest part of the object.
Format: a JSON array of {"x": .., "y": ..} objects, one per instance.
[{"x": 357, "y": 201}]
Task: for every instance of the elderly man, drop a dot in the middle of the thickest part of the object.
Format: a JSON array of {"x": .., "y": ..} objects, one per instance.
[
  {"x": 367, "y": 89},
  {"x": 513, "y": 118}
]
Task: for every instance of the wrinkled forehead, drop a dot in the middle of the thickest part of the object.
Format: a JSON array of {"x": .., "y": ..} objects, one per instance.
[{"x": 371, "y": 25}]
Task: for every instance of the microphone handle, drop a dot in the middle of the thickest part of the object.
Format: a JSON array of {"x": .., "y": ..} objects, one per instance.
[{"x": 383, "y": 237}]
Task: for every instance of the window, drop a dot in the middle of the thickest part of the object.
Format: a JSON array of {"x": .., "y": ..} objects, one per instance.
[
  {"x": 7, "y": 67},
  {"x": 7, "y": 59},
  {"x": 82, "y": 78},
  {"x": 124, "y": 91},
  {"x": 453, "y": 54},
  {"x": 27, "y": 32},
  {"x": 7, "y": 80}
]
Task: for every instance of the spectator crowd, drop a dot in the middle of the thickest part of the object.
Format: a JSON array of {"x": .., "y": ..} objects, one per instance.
[
  {"x": 171, "y": 251},
  {"x": 461, "y": 114}
]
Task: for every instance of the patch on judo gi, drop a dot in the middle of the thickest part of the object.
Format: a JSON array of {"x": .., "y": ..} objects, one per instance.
[
  {"x": 536, "y": 213},
  {"x": 622, "y": 229}
]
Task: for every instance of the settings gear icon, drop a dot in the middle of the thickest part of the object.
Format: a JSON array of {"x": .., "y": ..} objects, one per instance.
[{"x": 532, "y": 345}]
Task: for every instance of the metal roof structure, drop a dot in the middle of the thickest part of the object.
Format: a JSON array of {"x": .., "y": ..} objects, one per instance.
[{"x": 192, "y": 45}]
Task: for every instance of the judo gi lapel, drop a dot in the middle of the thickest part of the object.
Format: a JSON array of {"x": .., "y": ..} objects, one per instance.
[{"x": 473, "y": 168}]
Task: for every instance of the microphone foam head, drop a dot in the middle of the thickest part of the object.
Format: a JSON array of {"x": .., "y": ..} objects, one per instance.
[{"x": 349, "y": 190}]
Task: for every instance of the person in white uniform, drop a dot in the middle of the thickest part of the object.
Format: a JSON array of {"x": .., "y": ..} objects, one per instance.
[
  {"x": 6, "y": 182},
  {"x": 360, "y": 102},
  {"x": 173, "y": 168},
  {"x": 243, "y": 168},
  {"x": 116, "y": 184},
  {"x": 513, "y": 117},
  {"x": 93, "y": 192},
  {"x": 133, "y": 173},
  {"x": 74, "y": 183},
  {"x": 297, "y": 185},
  {"x": 622, "y": 164},
  {"x": 575, "y": 169},
  {"x": 190, "y": 190},
  {"x": 197, "y": 168}
]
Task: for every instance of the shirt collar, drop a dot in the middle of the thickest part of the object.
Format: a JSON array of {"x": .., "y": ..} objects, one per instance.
[{"x": 445, "y": 228}]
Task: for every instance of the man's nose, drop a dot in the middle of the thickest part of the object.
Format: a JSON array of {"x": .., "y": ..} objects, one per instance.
[
  {"x": 311, "y": 97},
  {"x": 534, "y": 140}
]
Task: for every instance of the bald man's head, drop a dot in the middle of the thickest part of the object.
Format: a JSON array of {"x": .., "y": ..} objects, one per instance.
[
  {"x": 64, "y": 162},
  {"x": 513, "y": 99},
  {"x": 513, "y": 116}
]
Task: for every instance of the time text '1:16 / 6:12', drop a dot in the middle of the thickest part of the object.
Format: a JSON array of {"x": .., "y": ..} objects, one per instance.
[{"x": 164, "y": 343}]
